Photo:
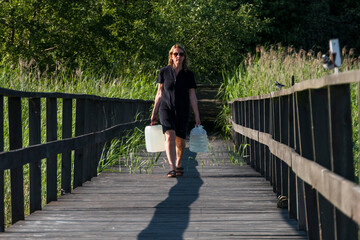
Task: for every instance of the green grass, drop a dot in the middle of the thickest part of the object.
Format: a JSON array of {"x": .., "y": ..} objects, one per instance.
[{"x": 27, "y": 77}]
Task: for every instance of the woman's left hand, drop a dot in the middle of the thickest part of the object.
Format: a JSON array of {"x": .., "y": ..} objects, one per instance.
[{"x": 197, "y": 121}]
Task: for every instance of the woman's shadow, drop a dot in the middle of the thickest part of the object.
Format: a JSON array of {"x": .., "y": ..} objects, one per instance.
[{"x": 171, "y": 217}]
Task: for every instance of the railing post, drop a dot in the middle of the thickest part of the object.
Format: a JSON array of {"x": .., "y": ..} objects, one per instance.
[
  {"x": 247, "y": 124},
  {"x": 306, "y": 150},
  {"x": 262, "y": 129},
  {"x": 234, "y": 115},
  {"x": 276, "y": 136},
  {"x": 238, "y": 113},
  {"x": 300, "y": 205},
  {"x": 66, "y": 154},
  {"x": 99, "y": 125},
  {"x": 242, "y": 138},
  {"x": 2, "y": 194},
  {"x": 284, "y": 138},
  {"x": 292, "y": 200},
  {"x": 238, "y": 116},
  {"x": 342, "y": 155},
  {"x": 79, "y": 153},
  {"x": 89, "y": 151},
  {"x": 256, "y": 127},
  {"x": 35, "y": 166},
  {"x": 51, "y": 163},
  {"x": 250, "y": 124},
  {"x": 272, "y": 177},
  {"x": 17, "y": 177},
  {"x": 108, "y": 121},
  {"x": 322, "y": 149},
  {"x": 267, "y": 123}
]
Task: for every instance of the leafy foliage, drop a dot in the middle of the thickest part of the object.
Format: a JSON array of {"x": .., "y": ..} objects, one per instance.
[
  {"x": 120, "y": 36},
  {"x": 117, "y": 35}
]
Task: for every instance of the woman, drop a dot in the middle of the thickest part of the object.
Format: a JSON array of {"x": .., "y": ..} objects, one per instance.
[{"x": 176, "y": 91}]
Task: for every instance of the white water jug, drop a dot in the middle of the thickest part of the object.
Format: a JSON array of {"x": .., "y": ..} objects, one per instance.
[
  {"x": 198, "y": 139},
  {"x": 154, "y": 138}
]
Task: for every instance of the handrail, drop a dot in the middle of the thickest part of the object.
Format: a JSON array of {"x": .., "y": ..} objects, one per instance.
[
  {"x": 301, "y": 140},
  {"x": 98, "y": 120},
  {"x": 319, "y": 177},
  {"x": 328, "y": 80}
]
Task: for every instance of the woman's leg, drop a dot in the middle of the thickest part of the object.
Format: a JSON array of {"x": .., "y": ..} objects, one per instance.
[
  {"x": 170, "y": 148},
  {"x": 180, "y": 148}
]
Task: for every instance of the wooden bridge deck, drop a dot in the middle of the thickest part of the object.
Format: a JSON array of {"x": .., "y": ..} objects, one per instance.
[{"x": 213, "y": 200}]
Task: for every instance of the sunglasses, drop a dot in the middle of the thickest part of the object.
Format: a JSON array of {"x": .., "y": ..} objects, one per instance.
[{"x": 181, "y": 54}]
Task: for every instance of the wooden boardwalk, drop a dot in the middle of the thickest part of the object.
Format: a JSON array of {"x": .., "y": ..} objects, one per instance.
[{"x": 213, "y": 200}]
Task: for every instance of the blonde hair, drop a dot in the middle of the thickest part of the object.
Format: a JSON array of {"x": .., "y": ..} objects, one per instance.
[{"x": 185, "y": 62}]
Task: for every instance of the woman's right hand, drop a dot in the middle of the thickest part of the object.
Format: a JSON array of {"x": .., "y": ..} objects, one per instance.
[
  {"x": 154, "y": 116},
  {"x": 154, "y": 119}
]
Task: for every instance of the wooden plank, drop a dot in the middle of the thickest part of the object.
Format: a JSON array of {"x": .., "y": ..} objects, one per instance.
[
  {"x": 256, "y": 124},
  {"x": 51, "y": 161},
  {"x": 267, "y": 130},
  {"x": 17, "y": 177},
  {"x": 35, "y": 166},
  {"x": 307, "y": 151},
  {"x": 211, "y": 201},
  {"x": 79, "y": 154},
  {"x": 277, "y": 138},
  {"x": 284, "y": 138},
  {"x": 292, "y": 177},
  {"x": 235, "y": 114},
  {"x": 250, "y": 140},
  {"x": 66, "y": 154},
  {"x": 262, "y": 154},
  {"x": 341, "y": 139},
  {"x": 300, "y": 210},
  {"x": 271, "y": 156},
  {"x": 322, "y": 149},
  {"x": 99, "y": 125},
  {"x": 88, "y": 126}
]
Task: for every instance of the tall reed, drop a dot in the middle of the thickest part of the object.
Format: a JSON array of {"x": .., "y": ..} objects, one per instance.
[
  {"x": 26, "y": 76},
  {"x": 257, "y": 74}
]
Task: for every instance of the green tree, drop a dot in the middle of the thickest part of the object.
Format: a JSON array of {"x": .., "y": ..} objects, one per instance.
[{"x": 121, "y": 34}]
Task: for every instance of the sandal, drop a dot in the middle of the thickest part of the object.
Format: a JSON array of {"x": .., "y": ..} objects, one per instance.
[
  {"x": 179, "y": 171},
  {"x": 171, "y": 174}
]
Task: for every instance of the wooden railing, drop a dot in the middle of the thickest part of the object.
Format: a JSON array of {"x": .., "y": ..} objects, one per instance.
[
  {"x": 97, "y": 120},
  {"x": 301, "y": 140}
]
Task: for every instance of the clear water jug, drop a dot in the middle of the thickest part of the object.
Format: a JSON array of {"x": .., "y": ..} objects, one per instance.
[
  {"x": 198, "y": 139},
  {"x": 154, "y": 138}
]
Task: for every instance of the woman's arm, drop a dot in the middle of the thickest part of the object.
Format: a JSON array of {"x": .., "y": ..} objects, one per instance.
[
  {"x": 154, "y": 115},
  {"x": 194, "y": 105}
]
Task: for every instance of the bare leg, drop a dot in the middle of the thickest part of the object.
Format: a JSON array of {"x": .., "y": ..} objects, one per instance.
[
  {"x": 170, "y": 148},
  {"x": 180, "y": 148}
]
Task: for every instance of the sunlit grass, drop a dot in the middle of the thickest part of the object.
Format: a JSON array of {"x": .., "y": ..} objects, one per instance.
[
  {"x": 257, "y": 74},
  {"x": 26, "y": 76}
]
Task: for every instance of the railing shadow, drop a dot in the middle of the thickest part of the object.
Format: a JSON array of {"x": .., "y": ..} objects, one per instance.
[{"x": 172, "y": 215}]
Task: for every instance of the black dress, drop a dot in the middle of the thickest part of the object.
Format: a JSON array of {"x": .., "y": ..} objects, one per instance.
[{"x": 175, "y": 101}]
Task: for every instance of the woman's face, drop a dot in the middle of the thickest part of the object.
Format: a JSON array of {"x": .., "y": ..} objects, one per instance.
[{"x": 178, "y": 57}]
